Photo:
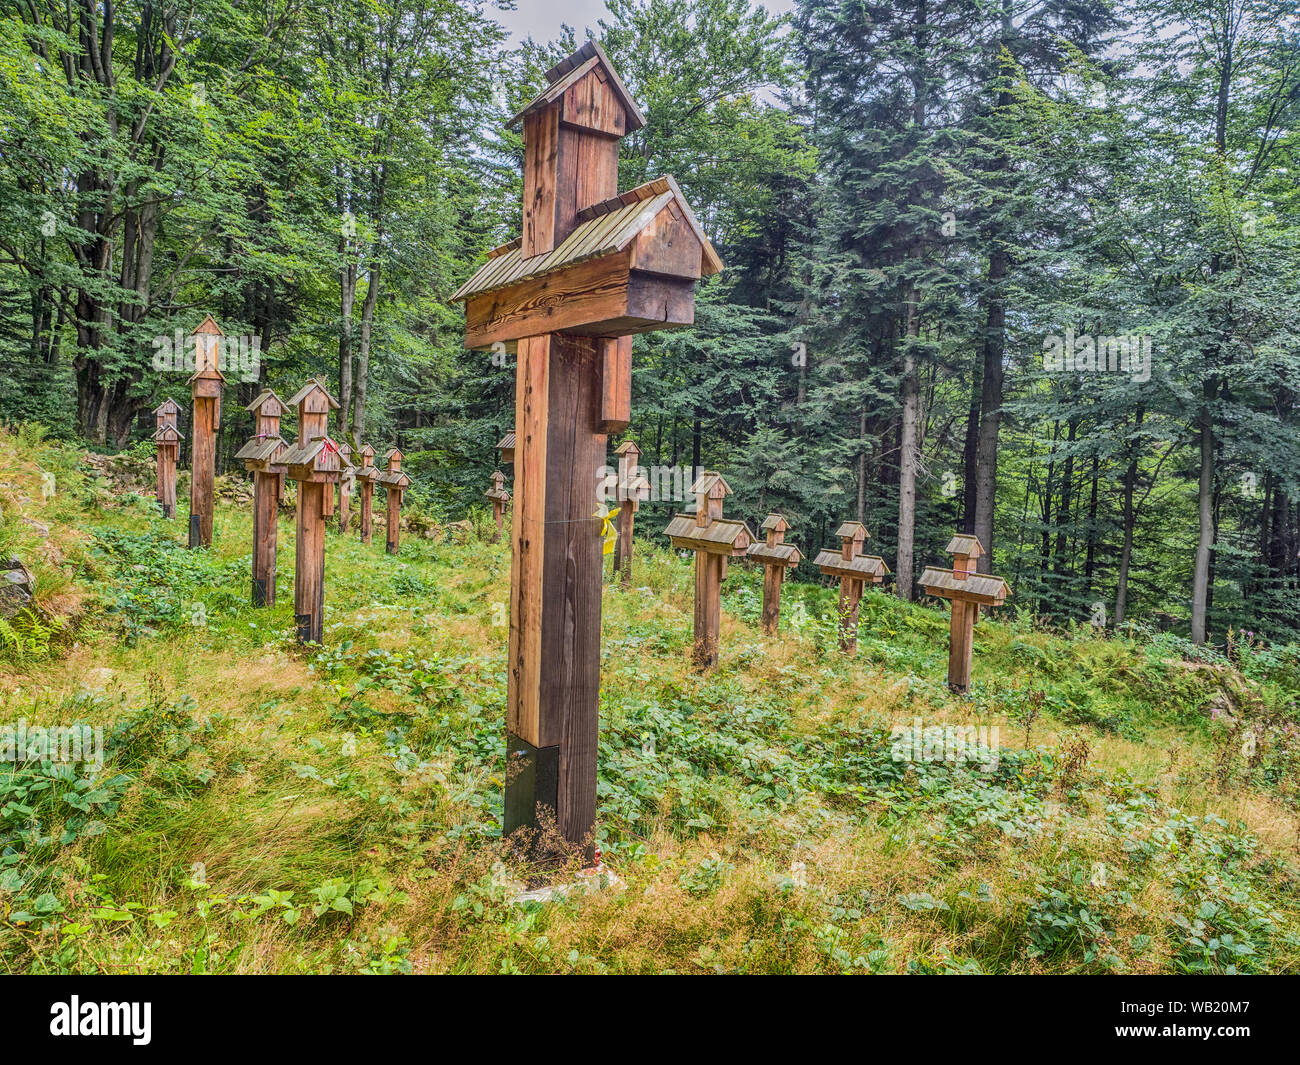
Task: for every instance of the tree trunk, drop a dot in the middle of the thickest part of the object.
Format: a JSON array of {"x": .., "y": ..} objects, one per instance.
[
  {"x": 907, "y": 459},
  {"x": 1205, "y": 518}
]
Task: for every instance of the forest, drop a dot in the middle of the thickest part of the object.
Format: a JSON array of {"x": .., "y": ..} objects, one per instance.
[
  {"x": 1025, "y": 269},
  {"x": 317, "y": 324}
]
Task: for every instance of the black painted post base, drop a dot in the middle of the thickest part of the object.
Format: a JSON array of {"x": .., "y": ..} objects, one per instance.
[
  {"x": 196, "y": 534},
  {"x": 259, "y": 593},
  {"x": 309, "y": 631}
]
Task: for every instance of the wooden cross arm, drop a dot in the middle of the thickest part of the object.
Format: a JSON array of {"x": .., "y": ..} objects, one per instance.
[{"x": 973, "y": 588}]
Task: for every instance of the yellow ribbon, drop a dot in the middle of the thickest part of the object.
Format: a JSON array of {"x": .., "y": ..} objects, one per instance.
[{"x": 607, "y": 530}]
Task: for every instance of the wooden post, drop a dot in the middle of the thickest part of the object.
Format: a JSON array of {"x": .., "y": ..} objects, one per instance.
[
  {"x": 499, "y": 497},
  {"x": 854, "y": 569},
  {"x": 714, "y": 539},
  {"x": 347, "y": 481},
  {"x": 968, "y": 591},
  {"x": 623, "y": 264},
  {"x": 205, "y": 387},
  {"x": 777, "y": 556},
  {"x": 314, "y": 462},
  {"x": 261, "y": 455},
  {"x": 167, "y": 437},
  {"x": 367, "y": 475},
  {"x": 395, "y": 482},
  {"x": 633, "y": 490}
]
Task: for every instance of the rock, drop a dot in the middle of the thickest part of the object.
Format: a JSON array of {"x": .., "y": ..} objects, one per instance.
[
  {"x": 17, "y": 586},
  {"x": 43, "y": 531}
]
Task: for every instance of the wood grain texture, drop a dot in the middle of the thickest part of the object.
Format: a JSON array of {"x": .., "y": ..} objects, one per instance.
[
  {"x": 367, "y": 509},
  {"x": 266, "y": 490},
  {"x": 773, "y": 575},
  {"x": 393, "y": 507},
  {"x": 615, "y": 361},
  {"x": 309, "y": 562},
  {"x": 961, "y": 644},
  {"x": 203, "y": 464},
  {"x": 709, "y": 572},
  {"x": 532, "y": 395},
  {"x": 623, "y": 545},
  {"x": 167, "y": 480}
]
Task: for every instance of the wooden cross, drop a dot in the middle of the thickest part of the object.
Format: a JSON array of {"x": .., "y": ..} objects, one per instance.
[
  {"x": 347, "y": 481},
  {"x": 499, "y": 497},
  {"x": 632, "y": 490},
  {"x": 395, "y": 483},
  {"x": 167, "y": 437},
  {"x": 714, "y": 539},
  {"x": 205, "y": 388},
  {"x": 777, "y": 556},
  {"x": 313, "y": 462},
  {"x": 367, "y": 474},
  {"x": 968, "y": 591},
  {"x": 591, "y": 268},
  {"x": 854, "y": 569},
  {"x": 262, "y": 455}
]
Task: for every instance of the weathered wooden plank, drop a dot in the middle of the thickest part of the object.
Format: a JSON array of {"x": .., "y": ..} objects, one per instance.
[{"x": 615, "y": 384}]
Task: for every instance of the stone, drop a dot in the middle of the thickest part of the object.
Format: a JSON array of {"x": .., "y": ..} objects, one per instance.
[{"x": 17, "y": 586}]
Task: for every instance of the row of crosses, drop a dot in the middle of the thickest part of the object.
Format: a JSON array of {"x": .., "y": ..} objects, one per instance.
[{"x": 315, "y": 461}]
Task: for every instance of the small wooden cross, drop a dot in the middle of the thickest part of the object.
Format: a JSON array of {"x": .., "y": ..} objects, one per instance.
[
  {"x": 347, "y": 481},
  {"x": 367, "y": 475},
  {"x": 499, "y": 497},
  {"x": 167, "y": 437},
  {"x": 261, "y": 455},
  {"x": 854, "y": 569},
  {"x": 777, "y": 556},
  {"x": 395, "y": 483},
  {"x": 313, "y": 462},
  {"x": 632, "y": 490},
  {"x": 590, "y": 268},
  {"x": 205, "y": 388},
  {"x": 507, "y": 448},
  {"x": 968, "y": 591},
  {"x": 714, "y": 539}
]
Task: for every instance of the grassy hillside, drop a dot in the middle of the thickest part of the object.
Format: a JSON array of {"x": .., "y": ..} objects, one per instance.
[{"x": 267, "y": 809}]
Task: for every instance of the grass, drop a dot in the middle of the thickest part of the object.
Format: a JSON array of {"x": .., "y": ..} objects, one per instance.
[{"x": 264, "y": 808}]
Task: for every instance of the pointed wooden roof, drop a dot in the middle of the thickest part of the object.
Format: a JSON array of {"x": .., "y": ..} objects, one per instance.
[
  {"x": 167, "y": 406},
  {"x": 604, "y": 228},
  {"x": 307, "y": 389},
  {"x": 208, "y": 326},
  {"x": 571, "y": 70},
  {"x": 627, "y": 447},
  {"x": 775, "y": 522},
  {"x": 853, "y": 530},
  {"x": 711, "y": 484},
  {"x": 167, "y": 434},
  {"x": 965, "y": 545},
  {"x": 262, "y": 397}
]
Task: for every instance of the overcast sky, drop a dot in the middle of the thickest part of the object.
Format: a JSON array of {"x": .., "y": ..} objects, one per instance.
[{"x": 541, "y": 18}]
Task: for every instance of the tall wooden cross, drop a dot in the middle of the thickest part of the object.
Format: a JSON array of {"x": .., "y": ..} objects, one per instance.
[
  {"x": 499, "y": 497},
  {"x": 313, "y": 462},
  {"x": 205, "y": 388},
  {"x": 714, "y": 539},
  {"x": 591, "y": 268},
  {"x": 347, "y": 481},
  {"x": 632, "y": 489},
  {"x": 968, "y": 591},
  {"x": 395, "y": 482},
  {"x": 854, "y": 569},
  {"x": 367, "y": 475},
  {"x": 167, "y": 437},
  {"x": 262, "y": 455},
  {"x": 777, "y": 556}
]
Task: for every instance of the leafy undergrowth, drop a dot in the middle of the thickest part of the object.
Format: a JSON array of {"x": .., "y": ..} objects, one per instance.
[{"x": 260, "y": 808}]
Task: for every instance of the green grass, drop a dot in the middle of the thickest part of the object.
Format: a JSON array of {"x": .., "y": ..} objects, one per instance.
[{"x": 263, "y": 808}]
